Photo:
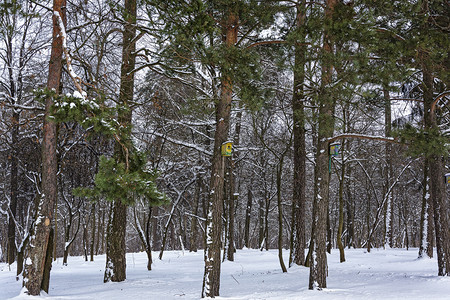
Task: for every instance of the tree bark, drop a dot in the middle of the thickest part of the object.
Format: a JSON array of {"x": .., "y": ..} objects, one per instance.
[
  {"x": 423, "y": 230},
  {"x": 248, "y": 212},
  {"x": 280, "y": 217},
  {"x": 211, "y": 278},
  {"x": 318, "y": 265},
  {"x": 341, "y": 209},
  {"x": 297, "y": 253},
  {"x": 34, "y": 271},
  {"x": 12, "y": 249},
  {"x": 116, "y": 249},
  {"x": 94, "y": 215},
  {"x": 389, "y": 209},
  {"x": 437, "y": 185}
]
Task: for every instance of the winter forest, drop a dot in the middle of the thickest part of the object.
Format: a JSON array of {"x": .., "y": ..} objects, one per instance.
[{"x": 291, "y": 126}]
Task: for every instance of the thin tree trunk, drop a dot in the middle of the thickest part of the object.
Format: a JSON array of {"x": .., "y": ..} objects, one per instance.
[
  {"x": 280, "y": 218},
  {"x": 248, "y": 211},
  {"x": 156, "y": 237},
  {"x": 34, "y": 271},
  {"x": 93, "y": 232},
  {"x": 261, "y": 214},
  {"x": 194, "y": 224},
  {"x": 350, "y": 214},
  {"x": 389, "y": 216},
  {"x": 234, "y": 195},
  {"x": 423, "y": 228},
  {"x": 341, "y": 210},
  {"x": 231, "y": 212}
]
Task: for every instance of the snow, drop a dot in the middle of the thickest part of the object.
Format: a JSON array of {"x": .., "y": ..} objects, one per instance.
[{"x": 380, "y": 274}]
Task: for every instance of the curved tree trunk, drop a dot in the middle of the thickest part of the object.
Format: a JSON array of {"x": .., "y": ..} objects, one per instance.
[{"x": 33, "y": 278}]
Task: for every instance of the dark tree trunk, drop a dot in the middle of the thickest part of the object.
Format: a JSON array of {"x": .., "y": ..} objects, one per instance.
[
  {"x": 234, "y": 183},
  {"x": 437, "y": 185},
  {"x": 156, "y": 236},
  {"x": 297, "y": 254},
  {"x": 94, "y": 215},
  {"x": 430, "y": 227},
  {"x": 211, "y": 278},
  {"x": 34, "y": 272},
  {"x": 280, "y": 218},
  {"x": 248, "y": 212},
  {"x": 115, "y": 243},
  {"x": 350, "y": 214},
  {"x": 318, "y": 265},
  {"x": 341, "y": 209},
  {"x": 45, "y": 285}
]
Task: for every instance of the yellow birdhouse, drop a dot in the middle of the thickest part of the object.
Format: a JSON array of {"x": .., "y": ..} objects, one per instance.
[{"x": 227, "y": 148}]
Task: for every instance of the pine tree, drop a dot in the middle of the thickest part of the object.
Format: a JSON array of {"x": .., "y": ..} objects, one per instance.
[{"x": 37, "y": 272}]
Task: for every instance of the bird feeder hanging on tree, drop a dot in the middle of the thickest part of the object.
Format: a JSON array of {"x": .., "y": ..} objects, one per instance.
[
  {"x": 227, "y": 148},
  {"x": 447, "y": 178}
]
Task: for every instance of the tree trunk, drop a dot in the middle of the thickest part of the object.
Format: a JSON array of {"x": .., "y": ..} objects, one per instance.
[
  {"x": 115, "y": 243},
  {"x": 261, "y": 218},
  {"x": 11, "y": 252},
  {"x": 341, "y": 210},
  {"x": 231, "y": 212},
  {"x": 94, "y": 214},
  {"x": 280, "y": 218},
  {"x": 318, "y": 266},
  {"x": 34, "y": 271},
  {"x": 297, "y": 253},
  {"x": 389, "y": 216},
  {"x": 148, "y": 244},
  {"x": 350, "y": 214},
  {"x": 194, "y": 222},
  {"x": 437, "y": 185},
  {"x": 211, "y": 278},
  {"x": 423, "y": 228},
  {"x": 45, "y": 285},
  {"x": 234, "y": 195},
  {"x": 430, "y": 227},
  {"x": 156, "y": 236},
  {"x": 248, "y": 212}
]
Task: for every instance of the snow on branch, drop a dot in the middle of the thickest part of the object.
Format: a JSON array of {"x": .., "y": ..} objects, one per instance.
[
  {"x": 182, "y": 143},
  {"x": 365, "y": 137},
  {"x": 76, "y": 79}
]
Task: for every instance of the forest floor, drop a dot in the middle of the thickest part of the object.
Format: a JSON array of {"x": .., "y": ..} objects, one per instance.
[{"x": 380, "y": 274}]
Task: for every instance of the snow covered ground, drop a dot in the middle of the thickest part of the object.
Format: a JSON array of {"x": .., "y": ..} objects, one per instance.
[{"x": 381, "y": 274}]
